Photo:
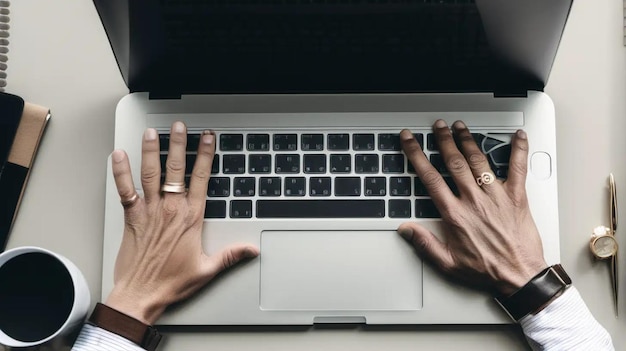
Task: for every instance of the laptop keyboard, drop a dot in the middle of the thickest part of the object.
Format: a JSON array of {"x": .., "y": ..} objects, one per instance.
[{"x": 356, "y": 174}]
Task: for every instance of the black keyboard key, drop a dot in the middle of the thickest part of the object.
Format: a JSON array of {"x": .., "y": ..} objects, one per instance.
[
  {"x": 258, "y": 142},
  {"x": 231, "y": 142},
  {"x": 393, "y": 163},
  {"x": 366, "y": 163},
  {"x": 501, "y": 172},
  {"x": 499, "y": 156},
  {"x": 419, "y": 189},
  {"x": 193, "y": 141},
  {"x": 259, "y": 163},
  {"x": 215, "y": 166},
  {"x": 269, "y": 186},
  {"x": 431, "y": 144},
  {"x": 312, "y": 142},
  {"x": 285, "y": 142},
  {"x": 315, "y": 163},
  {"x": 400, "y": 186},
  {"x": 190, "y": 161},
  {"x": 375, "y": 186},
  {"x": 319, "y": 186},
  {"x": 410, "y": 168},
  {"x": 244, "y": 186},
  {"x": 295, "y": 186},
  {"x": 399, "y": 208},
  {"x": 347, "y": 186},
  {"x": 219, "y": 187},
  {"x": 425, "y": 208},
  {"x": 340, "y": 163},
  {"x": 389, "y": 142},
  {"x": 420, "y": 139},
  {"x": 164, "y": 142},
  {"x": 338, "y": 141},
  {"x": 241, "y": 209},
  {"x": 287, "y": 163},
  {"x": 451, "y": 185},
  {"x": 320, "y": 208},
  {"x": 233, "y": 164},
  {"x": 437, "y": 161},
  {"x": 478, "y": 138},
  {"x": 363, "y": 142},
  {"x": 488, "y": 144},
  {"x": 215, "y": 209}
]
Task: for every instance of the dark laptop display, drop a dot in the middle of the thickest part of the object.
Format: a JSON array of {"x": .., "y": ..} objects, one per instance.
[{"x": 313, "y": 46}]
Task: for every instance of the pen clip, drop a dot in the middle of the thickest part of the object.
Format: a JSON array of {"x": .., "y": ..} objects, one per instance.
[{"x": 613, "y": 203}]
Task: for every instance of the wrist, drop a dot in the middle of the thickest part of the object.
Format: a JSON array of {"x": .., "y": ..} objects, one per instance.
[
  {"x": 518, "y": 279},
  {"x": 140, "y": 308},
  {"x": 116, "y": 322},
  {"x": 538, "y": 293}
]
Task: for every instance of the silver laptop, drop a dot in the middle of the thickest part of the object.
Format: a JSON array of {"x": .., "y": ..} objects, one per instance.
[{"x": 307, "y": 100}]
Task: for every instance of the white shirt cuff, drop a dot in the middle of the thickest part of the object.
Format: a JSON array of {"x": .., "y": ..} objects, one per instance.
[
  {"x": 566, "y": 324},
  {"x": 97, "y": 339}
]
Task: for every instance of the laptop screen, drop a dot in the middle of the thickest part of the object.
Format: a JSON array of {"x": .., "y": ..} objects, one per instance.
[{"x": 304, "y": 46}]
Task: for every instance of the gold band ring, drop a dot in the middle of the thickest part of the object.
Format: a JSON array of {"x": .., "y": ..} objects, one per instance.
[
  {"x": 131, "y": 201},
  {"x": 485, "y": 178},
  {"x": 173, "y": 187}
]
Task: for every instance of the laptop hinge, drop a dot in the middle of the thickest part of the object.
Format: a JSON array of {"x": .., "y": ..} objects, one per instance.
[
  {"x": 510, "y": 94},
  {"x": 161, "y": 95}
]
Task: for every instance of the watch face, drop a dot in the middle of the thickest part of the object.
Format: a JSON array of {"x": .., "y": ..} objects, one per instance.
[{"x": 604, "y": 246}]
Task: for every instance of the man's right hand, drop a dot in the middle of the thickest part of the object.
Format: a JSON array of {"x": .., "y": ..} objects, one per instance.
[{"x": 492, "y": 241}]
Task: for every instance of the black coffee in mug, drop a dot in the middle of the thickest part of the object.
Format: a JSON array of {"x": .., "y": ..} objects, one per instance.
[{"x": 36, "y": 296}]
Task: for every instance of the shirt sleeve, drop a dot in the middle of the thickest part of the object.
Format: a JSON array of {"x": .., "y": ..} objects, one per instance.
[
  {"x": 566, "y": 324},
  {"x": 92, "y": 338}
]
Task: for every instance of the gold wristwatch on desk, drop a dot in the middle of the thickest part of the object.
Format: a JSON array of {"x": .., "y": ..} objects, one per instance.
[{"x": 603, "y": 243}]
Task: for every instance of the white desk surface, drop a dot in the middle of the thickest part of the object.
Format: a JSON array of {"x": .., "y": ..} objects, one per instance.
[{"x": 60, "y": 58}]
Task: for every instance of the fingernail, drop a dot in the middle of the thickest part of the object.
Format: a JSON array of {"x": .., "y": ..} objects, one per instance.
[
  {"x": 208, "y": 138},
  {"x": 522, "y": 134},
  {"x": 406, "y": 233},
  {"x": 150, "y": 134},
  {"x": 459, "y": 125},
  {"x": 117, "y": 156},
  {"x": 178, "y": 127},
  {"x": 441, "y": 124},
  {"x": 406, "y": 135},
  {"x": 251, "y": 252}
]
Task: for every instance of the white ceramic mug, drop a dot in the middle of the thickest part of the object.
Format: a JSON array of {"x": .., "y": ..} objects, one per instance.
[{"x": 42, "y": 295}]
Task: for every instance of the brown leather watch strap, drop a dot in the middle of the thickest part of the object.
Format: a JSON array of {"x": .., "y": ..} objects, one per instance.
[
  {"x": 125, "y": 326},
  {"x": 537, "y": 293}
]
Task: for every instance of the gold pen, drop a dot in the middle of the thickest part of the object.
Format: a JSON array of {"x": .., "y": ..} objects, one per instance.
[{"x": 613, "y": 219}]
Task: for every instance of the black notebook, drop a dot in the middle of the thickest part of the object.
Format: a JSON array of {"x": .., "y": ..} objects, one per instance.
[{"x": 21, "y": 128}]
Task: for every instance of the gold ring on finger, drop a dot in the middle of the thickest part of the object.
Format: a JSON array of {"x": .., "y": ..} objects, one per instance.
[
  {"x": 173, "y": 187},
  {"x": 485, "y": 178},
  {"x": 131, "y": 201}
]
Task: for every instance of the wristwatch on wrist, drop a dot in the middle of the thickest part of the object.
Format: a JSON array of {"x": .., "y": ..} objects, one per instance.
[
  {"x": 537, "y": 293},
  {"x": 107, "y": 318}
]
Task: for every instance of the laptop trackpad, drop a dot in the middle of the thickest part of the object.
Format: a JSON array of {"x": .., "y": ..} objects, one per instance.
[{"x": 339, "y": 270}]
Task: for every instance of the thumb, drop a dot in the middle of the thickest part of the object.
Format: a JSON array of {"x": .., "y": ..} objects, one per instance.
[
  {"x": 427, "y": 245},
  {"x": 227, "y": 258}
]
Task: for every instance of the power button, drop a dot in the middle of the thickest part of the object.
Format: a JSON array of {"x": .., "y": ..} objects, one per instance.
[{"x": 541, "y": 165}]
